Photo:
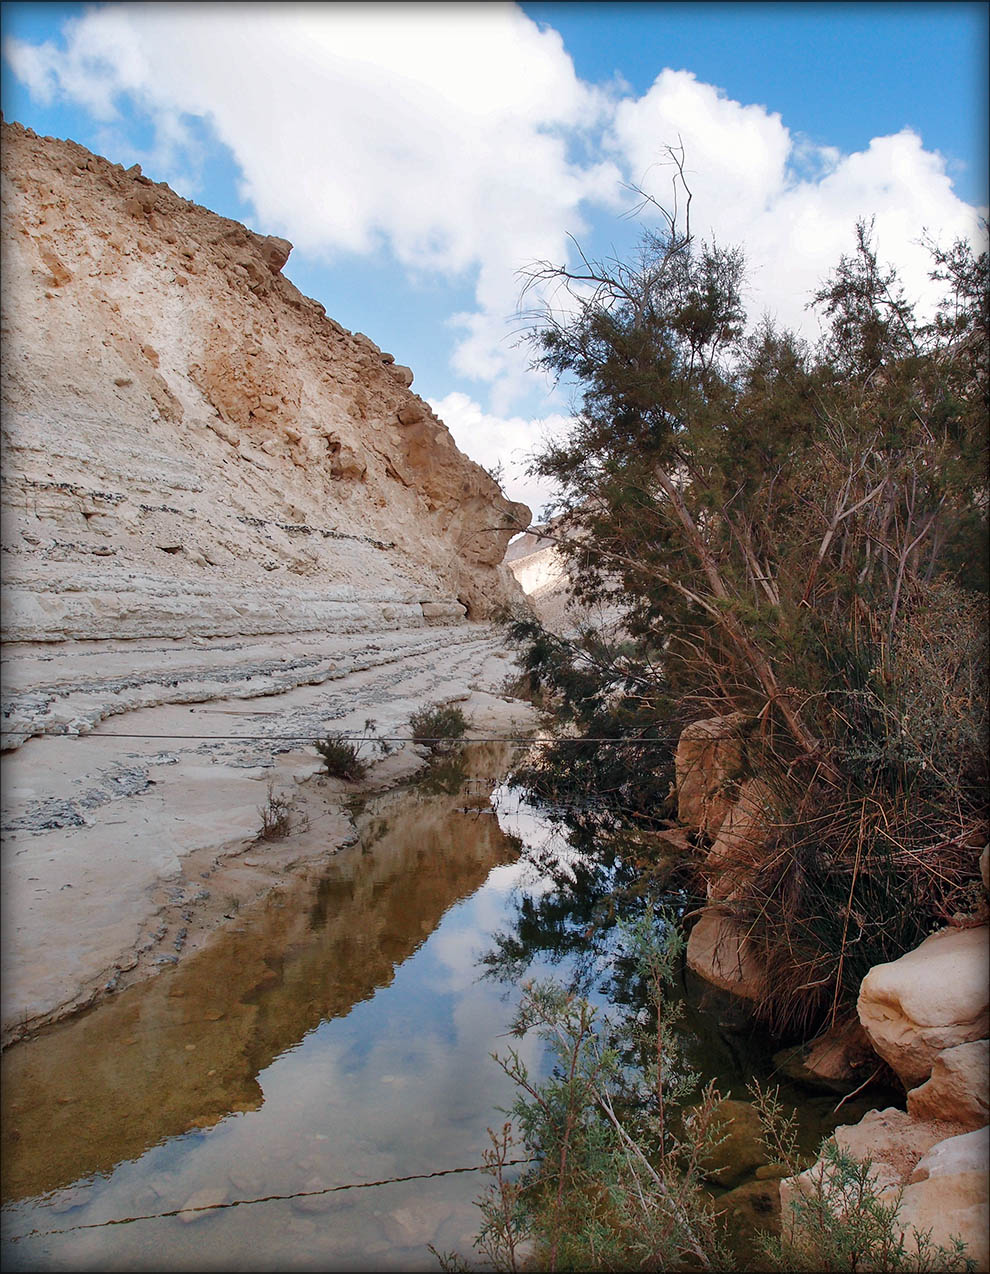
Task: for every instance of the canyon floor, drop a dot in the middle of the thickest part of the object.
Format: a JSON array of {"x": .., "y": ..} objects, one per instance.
[{"x": 131, "y": 838}]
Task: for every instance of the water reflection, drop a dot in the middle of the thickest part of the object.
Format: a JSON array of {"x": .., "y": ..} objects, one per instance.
[
  {"x": 158, "y": 1068},
  {"x": 339, "y": 1035}
]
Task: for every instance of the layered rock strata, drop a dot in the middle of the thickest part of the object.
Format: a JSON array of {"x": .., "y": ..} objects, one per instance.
[{"x": 193, "y": 447}]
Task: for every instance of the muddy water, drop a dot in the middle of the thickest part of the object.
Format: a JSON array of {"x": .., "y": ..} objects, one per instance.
[{"x": 336, "y": 1036}]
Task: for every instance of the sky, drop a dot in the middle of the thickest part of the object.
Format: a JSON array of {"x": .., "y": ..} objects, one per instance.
[{"x": 420, "y": 156}]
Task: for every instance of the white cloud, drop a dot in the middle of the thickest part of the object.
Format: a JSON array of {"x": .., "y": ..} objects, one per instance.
[
  {"x": 460, "y": 139},
  {"x": 791, "y": 205},
  {"x": 502, "y": 440},
  {"x": 439, "y": 130}
]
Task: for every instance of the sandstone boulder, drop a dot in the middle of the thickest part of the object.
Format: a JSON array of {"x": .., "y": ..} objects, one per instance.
[
  {"x": 946, "y": 1192},
  {"x": 948, "y": 1195},
  {"x": 737, "y": 848},
  {"x": 931, "y": 999},
  {"x": 890, "y": 1139},
  {"x": 965, "y": 1152},
  {"x": 707, "y": 765},
  {"x": 719, "y": 951},
  {"x": 957, "y": 1088}
]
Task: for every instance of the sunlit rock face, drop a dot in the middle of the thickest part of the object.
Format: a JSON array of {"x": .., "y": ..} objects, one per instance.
[
  {"x": 540, "y": 566},
  {"x": 192, "y": 447},
  {"x": 933, "y": 998}
]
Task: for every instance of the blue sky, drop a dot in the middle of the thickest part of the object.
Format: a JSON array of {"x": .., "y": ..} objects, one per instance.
[{"x": 419, "y": 155}]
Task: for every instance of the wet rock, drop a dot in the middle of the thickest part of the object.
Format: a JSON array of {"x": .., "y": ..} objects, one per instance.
[
  {"x": 416, "y": 1226},
  {"x": 751, "y": 1210},
  {"x": 314, "y": 1203},
  {"x": 741, "y": 1150},
  {"x": 248, "y": 1182},
  {"x": 719, "y": 951},
  {"x": 839, "y": 1060},
  {"x": 206, "y": 1200}
]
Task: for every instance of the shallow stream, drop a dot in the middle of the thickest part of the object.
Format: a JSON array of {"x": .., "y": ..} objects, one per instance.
[{"x": 326, "y": 1055}]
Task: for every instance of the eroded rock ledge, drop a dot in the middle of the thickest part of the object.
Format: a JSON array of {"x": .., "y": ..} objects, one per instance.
[{"x": 229, "y": 526}]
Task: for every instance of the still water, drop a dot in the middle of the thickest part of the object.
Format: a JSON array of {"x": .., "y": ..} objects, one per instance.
[{"x": 338, "y": 1036}]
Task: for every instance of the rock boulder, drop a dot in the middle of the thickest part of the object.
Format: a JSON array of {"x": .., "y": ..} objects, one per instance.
[
  {"x": 708, "y": 765},
  {"x": 947, "y": 1195},
  {"x": 957, "y": 1087},
  {"x": 931, "y": 999},
  {"x": 719, "y": 951}
]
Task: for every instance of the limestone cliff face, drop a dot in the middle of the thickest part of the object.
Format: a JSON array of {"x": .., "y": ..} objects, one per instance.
[{"x": 192, "y": 447}]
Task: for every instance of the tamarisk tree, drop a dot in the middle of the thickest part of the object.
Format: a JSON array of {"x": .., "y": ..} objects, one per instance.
[{"x": 796, "y": 534}]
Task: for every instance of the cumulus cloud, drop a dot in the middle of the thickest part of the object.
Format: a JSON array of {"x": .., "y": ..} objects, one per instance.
[
  {"x": 505, "y": 441},
  {"x": 790, "y": 204},
  {"x": 459, "y": 139}
]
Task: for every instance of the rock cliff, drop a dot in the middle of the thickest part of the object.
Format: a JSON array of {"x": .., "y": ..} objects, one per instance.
[
  {"x": 229, "y": 527},
  {"x": 193, "y": 447}
]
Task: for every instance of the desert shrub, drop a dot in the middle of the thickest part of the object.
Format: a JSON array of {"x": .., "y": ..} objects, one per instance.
[
  {"x": 613, "y": 1182},
  {"x": 340, "y": 756},
  {"x": 839, "y": 1220},
  {"x": 438, "y": 725},
  {"x": 794, "y": 534},
  {"x": 276, "y": 816}
]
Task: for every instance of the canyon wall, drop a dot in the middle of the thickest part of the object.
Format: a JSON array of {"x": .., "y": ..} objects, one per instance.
[
  {"x": 229, "y": 528},
  {"x": 193, "y": 447}
]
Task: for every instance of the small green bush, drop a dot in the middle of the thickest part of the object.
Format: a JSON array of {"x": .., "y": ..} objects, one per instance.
[
  {"x": 438, "y": 725},
  {"x": 276, "y": 816},
  {"x": 840, "y": 1219},
  {"x": 340, "y": 756}
]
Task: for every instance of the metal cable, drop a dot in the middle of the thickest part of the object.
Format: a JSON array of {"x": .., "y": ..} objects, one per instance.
[{"x": 267, "y": 1198}]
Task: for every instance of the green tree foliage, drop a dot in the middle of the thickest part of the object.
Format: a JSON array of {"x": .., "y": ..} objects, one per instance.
[
  {"x": 438, "y": 726},
  {"x": 614, "y": 1183},
  {"x": 799, "y": 535}
]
